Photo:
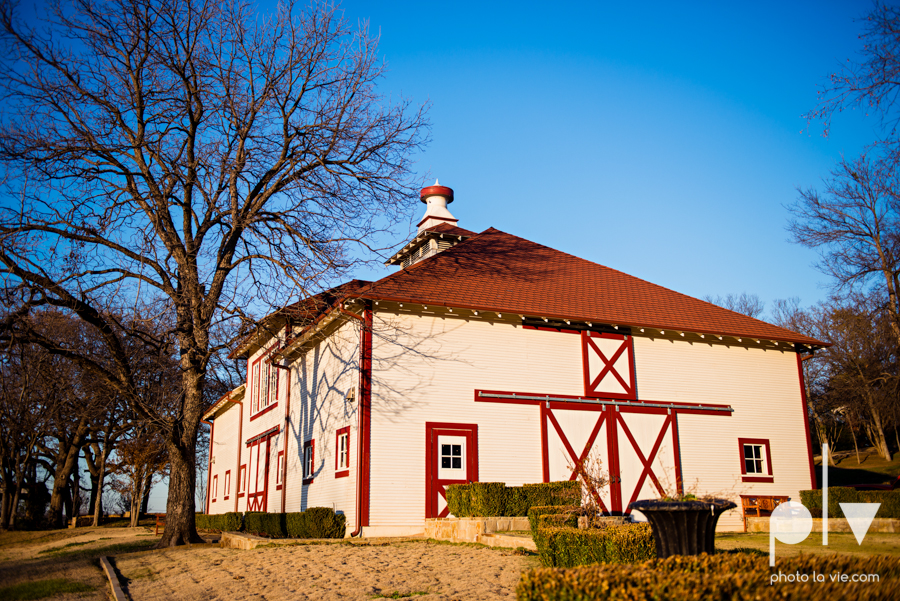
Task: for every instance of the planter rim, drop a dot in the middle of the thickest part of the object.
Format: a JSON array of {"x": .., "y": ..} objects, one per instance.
[{"x": 659, "y": 505}]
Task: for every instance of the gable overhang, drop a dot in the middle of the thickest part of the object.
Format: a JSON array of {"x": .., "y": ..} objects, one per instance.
[
  {"x": 224, "y": 403},
  {"x": 600, "y": 324}
]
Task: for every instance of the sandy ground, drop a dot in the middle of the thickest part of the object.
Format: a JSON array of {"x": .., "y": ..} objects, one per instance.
[
  {"x": 421, "y": 569},
  {"x": 69, "y": 554}
]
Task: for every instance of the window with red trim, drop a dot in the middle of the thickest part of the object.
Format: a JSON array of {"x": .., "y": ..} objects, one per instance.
[
  {"x": 756, "y": 460},
  {"x": 215, "y": 487},
  {"x": 265, "y": 382},
  {"x": 242, "y": 480},
  {"x": 279, "y": 470},
  {"x": 309, "y": 461},
  {"x": 342, "y": 453},
  {"x": 227, "y": 490}
]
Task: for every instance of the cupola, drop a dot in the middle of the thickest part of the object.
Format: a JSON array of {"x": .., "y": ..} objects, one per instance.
[
  {"x": 437, "y": 229},
  {"x": 436, "y": 199}
]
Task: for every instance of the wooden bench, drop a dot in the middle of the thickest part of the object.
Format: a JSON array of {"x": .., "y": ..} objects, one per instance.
[
  {"x": 160, "y": 521},
  {"x": 760, "y": 505}
]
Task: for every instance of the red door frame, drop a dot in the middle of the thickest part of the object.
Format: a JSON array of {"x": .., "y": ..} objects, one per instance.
[
  {"x": 258, "y": 500},
  {"x": 435, "y": 487}
]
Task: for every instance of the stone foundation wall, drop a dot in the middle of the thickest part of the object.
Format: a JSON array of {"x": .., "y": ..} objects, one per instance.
[{"x": 469, "y": 530}]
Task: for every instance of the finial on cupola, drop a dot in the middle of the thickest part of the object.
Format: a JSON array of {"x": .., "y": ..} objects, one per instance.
[{"x": 436, "y": 199}]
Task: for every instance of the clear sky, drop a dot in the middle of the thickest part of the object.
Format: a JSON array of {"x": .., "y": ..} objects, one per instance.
[{"x": 662, "y": 139}]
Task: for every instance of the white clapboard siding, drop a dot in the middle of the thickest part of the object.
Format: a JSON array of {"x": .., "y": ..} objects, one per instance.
[
  {"x": 223, "y": 458},
  {"x": 425, "y": 369},
  {"x": 320, "y": 380},
  {"x": 762, "y": 386}
]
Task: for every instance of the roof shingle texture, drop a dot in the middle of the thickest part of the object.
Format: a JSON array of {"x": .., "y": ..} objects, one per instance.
[{"x": 497, "y": 271}]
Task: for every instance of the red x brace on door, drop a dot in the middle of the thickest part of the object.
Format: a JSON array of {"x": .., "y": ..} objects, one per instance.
[{"x": 608, "y": 365}]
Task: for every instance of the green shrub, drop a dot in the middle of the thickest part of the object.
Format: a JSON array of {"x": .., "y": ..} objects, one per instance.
[
  {"x": 488, "y": 498},
  {"x": 265, "y": 524},
  {"x": 564, "y": 546},
  {"x": 889, "y": 499},
  {"x": 493, "y": 499},
  {"x": 535, "y": 513},
  {"x": 459, "y": 500},
  {"x": 222, "y": 522},
  {"x": 315, "y": 522},
  {"x": 730, "y": 576},
  {"x": 567, "y": 492}
]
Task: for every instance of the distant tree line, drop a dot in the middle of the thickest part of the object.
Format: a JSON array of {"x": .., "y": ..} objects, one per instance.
[{"x": 70, "y": 446}]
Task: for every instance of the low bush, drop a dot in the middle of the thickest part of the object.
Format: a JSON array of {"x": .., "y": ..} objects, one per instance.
[
  {"x": 315, "y": 522},
  {"x": 271, "y": 525},
  {"x": 889, "y": 499},
  {"x": 459, "y": 499},
  {"x": 730, "y": 576},
  {"x": 221, "y": 522},
  {"x": 566, "y": 546},
  {"x": 494, "y": 499}
]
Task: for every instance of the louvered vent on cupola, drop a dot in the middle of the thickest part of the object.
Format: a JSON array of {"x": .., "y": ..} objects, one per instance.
[{"x": 437, "y": 228}]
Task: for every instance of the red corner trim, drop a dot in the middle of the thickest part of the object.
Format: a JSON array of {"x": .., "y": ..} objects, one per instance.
[
  {"x": 812, "y": 468},
  {"x": 365, "y": 420},
  {"x": 212, "y": 431}
]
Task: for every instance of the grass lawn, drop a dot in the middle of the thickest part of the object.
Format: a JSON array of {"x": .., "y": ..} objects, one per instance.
[
  {"x": 871, "y": 469},
  {"x": 48, "y": 564},
  {"x": 838, "y": 542}
]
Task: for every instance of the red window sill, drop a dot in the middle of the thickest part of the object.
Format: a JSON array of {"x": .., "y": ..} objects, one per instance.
[
  {"x": 768, "y": 479},
  {"x": 308, "y": 480},
  {"x": 240, "y": 495},
  {"x": 279, "y": 486},
  {"x": 264, "y": 411},
  {"x": 224, "y": 498},
  {"x": 342, "y": 474}
]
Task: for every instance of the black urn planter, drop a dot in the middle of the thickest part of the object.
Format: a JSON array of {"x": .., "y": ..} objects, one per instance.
[{"x": 683, "y": 527}]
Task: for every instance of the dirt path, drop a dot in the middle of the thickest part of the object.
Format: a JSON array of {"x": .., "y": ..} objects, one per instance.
[{"x": 425, "y": 570}]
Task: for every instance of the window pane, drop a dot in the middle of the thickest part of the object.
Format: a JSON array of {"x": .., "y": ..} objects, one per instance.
[
  {"x": 749, "y": 466},
  {"x": 445, "y": 462},
  {"x": 457, "y": 463},
  {"x": 457, "y": 450},
  {"x": 445, "y": 449}
]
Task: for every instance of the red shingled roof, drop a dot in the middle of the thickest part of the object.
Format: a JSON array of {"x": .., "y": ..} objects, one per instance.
[{"x": 497, "y": 271}]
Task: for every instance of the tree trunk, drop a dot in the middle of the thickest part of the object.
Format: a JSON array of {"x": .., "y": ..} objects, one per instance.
[
  {"x": 65, "y": 463},
  {"x": 98, "y": 502},
  {"x": 875, "y": 429},
  {"x": 182, "y": 447}
]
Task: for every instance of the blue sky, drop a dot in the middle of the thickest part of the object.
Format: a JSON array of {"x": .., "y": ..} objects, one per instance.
[{"x": 659, "y": 139}]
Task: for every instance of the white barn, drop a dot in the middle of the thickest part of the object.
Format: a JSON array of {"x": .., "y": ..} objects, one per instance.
[{"x": 488, "y": 357}]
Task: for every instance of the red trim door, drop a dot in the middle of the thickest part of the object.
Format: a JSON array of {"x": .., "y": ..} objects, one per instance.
[
  {"x": 258, "y": 474},
  {"x": 451, "y": 457}
]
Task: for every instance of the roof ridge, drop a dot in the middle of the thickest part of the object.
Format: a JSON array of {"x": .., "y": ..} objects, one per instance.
[{"x": 416, "y": 266}]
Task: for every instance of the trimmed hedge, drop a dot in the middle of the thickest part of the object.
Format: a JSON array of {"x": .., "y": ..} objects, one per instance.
[
  {"x": 889, "y": 499},
  {"x": 738, "y": 576},
  {"x": 221, "y": 522},
  {"x": 271, "y": 525},
  {"x": 494, "y": 499},
  {"x": 565, "y": 546},
  {"x": 536, "y": 512},
  {"x": 315, "y": 522}
]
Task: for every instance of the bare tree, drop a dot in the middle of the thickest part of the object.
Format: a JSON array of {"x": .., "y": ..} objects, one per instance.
[
  {"x": 855, "y": 224},
  {"x": 189, "y": 159},
  {"x": 745, "y": 304},
  {"x": 871, "y": 83}
]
